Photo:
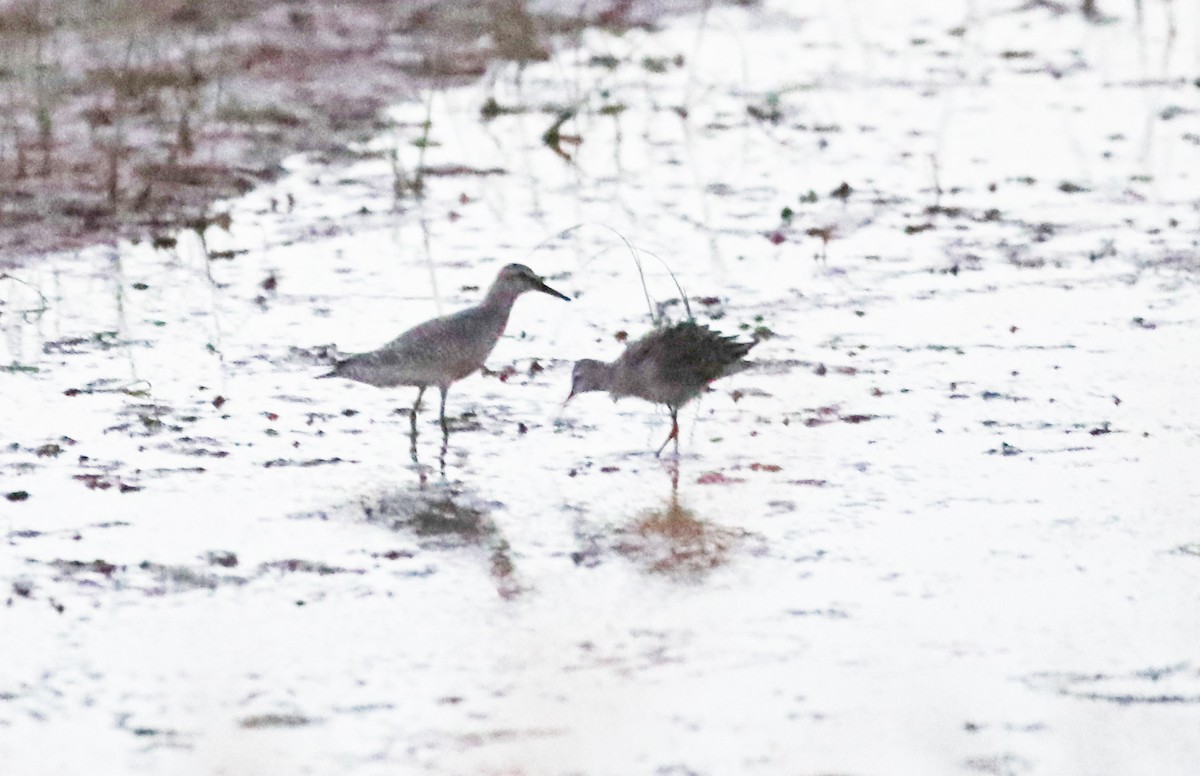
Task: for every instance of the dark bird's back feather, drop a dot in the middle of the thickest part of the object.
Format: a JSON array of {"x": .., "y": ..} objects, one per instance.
[{"x": 675, "y": 363}]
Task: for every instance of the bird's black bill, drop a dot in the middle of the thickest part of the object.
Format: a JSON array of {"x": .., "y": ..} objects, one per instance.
[{"x": 545, "y": 289}]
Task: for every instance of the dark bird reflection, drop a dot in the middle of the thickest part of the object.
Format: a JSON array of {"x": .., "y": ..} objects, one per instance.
[{"x": 446, "y": 517}]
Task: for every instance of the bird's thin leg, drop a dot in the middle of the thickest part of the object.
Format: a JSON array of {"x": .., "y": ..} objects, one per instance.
[
  {"x": 416, "y": 406},
  {"x": 674, "y": 434},
  {"x": 445, "y": 428},
  {"x": 445, "y": 434},
  {"x": 412, "y": 430}
]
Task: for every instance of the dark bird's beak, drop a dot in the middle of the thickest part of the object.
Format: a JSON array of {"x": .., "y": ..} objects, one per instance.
[
  {"x": 545, "y": 289},
  {"x": 570, "y": 396}
]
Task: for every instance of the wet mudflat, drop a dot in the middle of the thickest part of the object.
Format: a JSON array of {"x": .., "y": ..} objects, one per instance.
[{"x": 945, "y": 525}]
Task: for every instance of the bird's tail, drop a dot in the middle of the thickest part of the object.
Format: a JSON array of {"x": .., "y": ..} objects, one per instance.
[{"x": 736, "y": 350}]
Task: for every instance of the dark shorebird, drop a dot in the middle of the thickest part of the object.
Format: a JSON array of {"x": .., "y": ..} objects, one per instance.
[
  {"x": 446, "y": 349},
  {"x": 670, "y": 365}
]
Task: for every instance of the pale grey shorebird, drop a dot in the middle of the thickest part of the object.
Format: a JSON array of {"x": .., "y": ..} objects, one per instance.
[
  {"x": 444, "y": 350},
  {"x": 670, "y": 365}
]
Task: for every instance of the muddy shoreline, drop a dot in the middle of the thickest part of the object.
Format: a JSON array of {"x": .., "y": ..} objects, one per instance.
[{"x": 131, "y": 121}]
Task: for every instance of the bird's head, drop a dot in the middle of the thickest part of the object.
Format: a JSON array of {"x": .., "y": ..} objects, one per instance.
[
  {"x": 589, "y": 375},
  {"x": 516, "y": 279}
]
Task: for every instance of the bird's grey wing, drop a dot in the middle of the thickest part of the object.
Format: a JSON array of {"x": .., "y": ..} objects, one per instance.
[
  {"x": 642, "y": 361},
  {"x": 448, "y": 348},
  {"x": 416, "y": 357},
  {"x": 383, "y": 368}
]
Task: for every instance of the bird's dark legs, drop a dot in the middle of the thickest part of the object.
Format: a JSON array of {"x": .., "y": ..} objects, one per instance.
[
  {"x": 412, "y": 434},
  {"x": 416, "y": 407},
  {"x": 442, "y": 412},
  {"x": 674, "y": 434},
  {"x": 445, "y": 432}
]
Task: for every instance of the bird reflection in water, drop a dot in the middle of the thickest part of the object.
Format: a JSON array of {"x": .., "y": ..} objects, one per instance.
[
  {"x": 446, "y": 518},
  {"x": 674, "y": 541},
  {"x": 423, "y": 470}
]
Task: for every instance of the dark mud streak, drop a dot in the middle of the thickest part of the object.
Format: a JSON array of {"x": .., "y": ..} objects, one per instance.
[
  {"x": 1076, "y": 685},
  {"x": 1128, "y": 699},
  {"x": 164, "y": 578},
  {"x": 277, "y": 462},
  {"x": 264, "y": 721}
]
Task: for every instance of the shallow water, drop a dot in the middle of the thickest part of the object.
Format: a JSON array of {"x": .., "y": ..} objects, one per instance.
[{"x": 944, "y": 525}]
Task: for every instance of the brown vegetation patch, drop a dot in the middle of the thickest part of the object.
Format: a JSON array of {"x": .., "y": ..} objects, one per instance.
[{"x": 112, "y": 111}]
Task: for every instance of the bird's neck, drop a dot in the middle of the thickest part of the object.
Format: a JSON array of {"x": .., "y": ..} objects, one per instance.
[
  {"x": 499, "y": 299},
  {"x": 496, "y": 306}
]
